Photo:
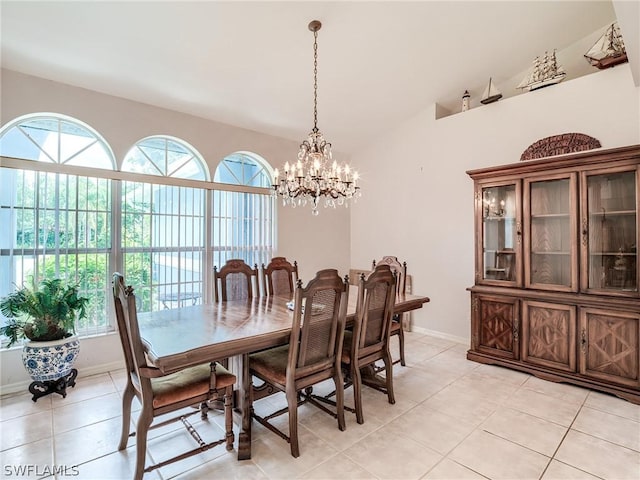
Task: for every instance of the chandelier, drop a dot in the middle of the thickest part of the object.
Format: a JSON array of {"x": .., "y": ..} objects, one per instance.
[{"x": 316, "y": 176}]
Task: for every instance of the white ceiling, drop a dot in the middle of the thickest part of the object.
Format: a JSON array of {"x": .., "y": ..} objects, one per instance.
[{"x": 250, "y": 64}]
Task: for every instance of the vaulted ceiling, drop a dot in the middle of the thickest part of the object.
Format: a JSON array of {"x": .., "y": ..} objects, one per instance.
[{"x": 250, "y": 64}]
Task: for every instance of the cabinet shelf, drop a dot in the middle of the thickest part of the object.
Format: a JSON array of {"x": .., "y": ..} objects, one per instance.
[
  {"x": 551, "y": 253},
  {"x": 549, "y": 215},
  {"x": 613, "y": 254},
  {"x": 499, "y": 219},
  {"x": 612, "y": 212},
  {"x": 495, "y": 270}
]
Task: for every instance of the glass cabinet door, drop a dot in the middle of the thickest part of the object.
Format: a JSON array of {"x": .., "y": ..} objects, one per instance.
[
  {"x": 551, "y": 240},
  {"x": 610, "y": 232},
  {"x": 501, "y": 234}
]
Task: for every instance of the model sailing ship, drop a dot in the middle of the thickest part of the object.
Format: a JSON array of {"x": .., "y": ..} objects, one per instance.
[
  {"x": 491, "y": 94},
  {"x": 545, "y": 72},
  {"x": 609, "y": 50}
]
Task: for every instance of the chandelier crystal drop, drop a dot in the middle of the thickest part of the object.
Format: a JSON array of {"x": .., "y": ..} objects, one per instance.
[{"x": 316, "y": 178}]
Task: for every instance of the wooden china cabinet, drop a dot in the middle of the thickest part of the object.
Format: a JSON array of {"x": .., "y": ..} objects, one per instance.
[{"x": 556, "y": 274}]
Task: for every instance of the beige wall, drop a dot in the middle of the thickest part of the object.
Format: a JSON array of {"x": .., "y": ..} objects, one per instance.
[
  {"x": 315, "y": 242},
  {"x": 418, "y": 200}
]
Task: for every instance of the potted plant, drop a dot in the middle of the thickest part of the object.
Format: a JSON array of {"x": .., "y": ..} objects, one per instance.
[{"x": 45, "y": 315}]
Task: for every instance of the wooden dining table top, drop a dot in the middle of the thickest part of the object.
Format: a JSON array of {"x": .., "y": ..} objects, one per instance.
[{"x": 187, "y": 336}]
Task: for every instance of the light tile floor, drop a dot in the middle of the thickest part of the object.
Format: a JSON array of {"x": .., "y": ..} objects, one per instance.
[{"x": 453, "y": 419}]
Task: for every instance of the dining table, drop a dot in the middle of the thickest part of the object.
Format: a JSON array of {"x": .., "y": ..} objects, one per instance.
[{"x": 191, "y": 335}]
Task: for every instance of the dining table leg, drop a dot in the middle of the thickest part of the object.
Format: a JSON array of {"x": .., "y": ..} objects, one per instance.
[{"x": 245, "y": 386}]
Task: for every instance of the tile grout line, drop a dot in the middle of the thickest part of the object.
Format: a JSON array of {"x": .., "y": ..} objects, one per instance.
[{"x": 553, "y": 456}]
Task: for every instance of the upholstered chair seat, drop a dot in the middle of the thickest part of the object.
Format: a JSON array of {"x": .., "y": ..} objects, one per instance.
[
  {"x": 272, "y": 364},
  {"x": 192, "y": 382}
]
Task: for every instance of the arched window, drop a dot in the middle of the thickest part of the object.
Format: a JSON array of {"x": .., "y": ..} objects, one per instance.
[
  {"x": 243, "y": 220},
  {"x": 57, "y": 139},
  {"x": 244, "y": 168},
  {"x": 167, "y": 157},
  {"x": 163, "y": 226},
  {"x": 156, "y": 220},
  {"x": 56, "y": 224}
]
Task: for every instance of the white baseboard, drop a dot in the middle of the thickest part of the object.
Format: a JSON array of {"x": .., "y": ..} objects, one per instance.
[
  {"x": 444, "y": 336},
  {"x": 22, "y": 387}
]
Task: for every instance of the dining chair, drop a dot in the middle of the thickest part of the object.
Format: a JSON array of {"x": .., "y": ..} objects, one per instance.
[
  {"x": 397, "y": 327},
  {"x": 279, "y": 276},
  {"x": 160, "y": 394},
  {"x": 368, "y": 341},
  {"x": 234, "y": 281},
  {"x": 312, "y": 354}
]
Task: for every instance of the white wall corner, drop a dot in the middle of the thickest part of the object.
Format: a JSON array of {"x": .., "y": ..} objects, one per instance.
[{"x": 628, "y": 15}]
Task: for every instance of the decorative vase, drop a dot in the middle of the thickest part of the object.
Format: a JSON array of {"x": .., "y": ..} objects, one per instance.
[{"x": 50, "y": 361}]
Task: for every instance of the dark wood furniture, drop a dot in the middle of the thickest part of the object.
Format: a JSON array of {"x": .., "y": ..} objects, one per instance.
[
  {"x": 397, "y": 327},
  {"x": 368, "y": 342},
  {"x": 279, "y": 276},
  {"x": 161, "y": 392},
  {"x": 556, "y": 275},
  {"x": 231, "y": 329},
  {"x": 312, "y": 354},
  {"x": 235, "y": 281}
]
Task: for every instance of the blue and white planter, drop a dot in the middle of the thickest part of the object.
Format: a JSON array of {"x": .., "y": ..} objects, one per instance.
[{"x": 46, "y": 361}]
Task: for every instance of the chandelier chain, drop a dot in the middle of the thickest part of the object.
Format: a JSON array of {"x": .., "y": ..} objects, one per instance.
[{"x": 315, "y": 81}]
